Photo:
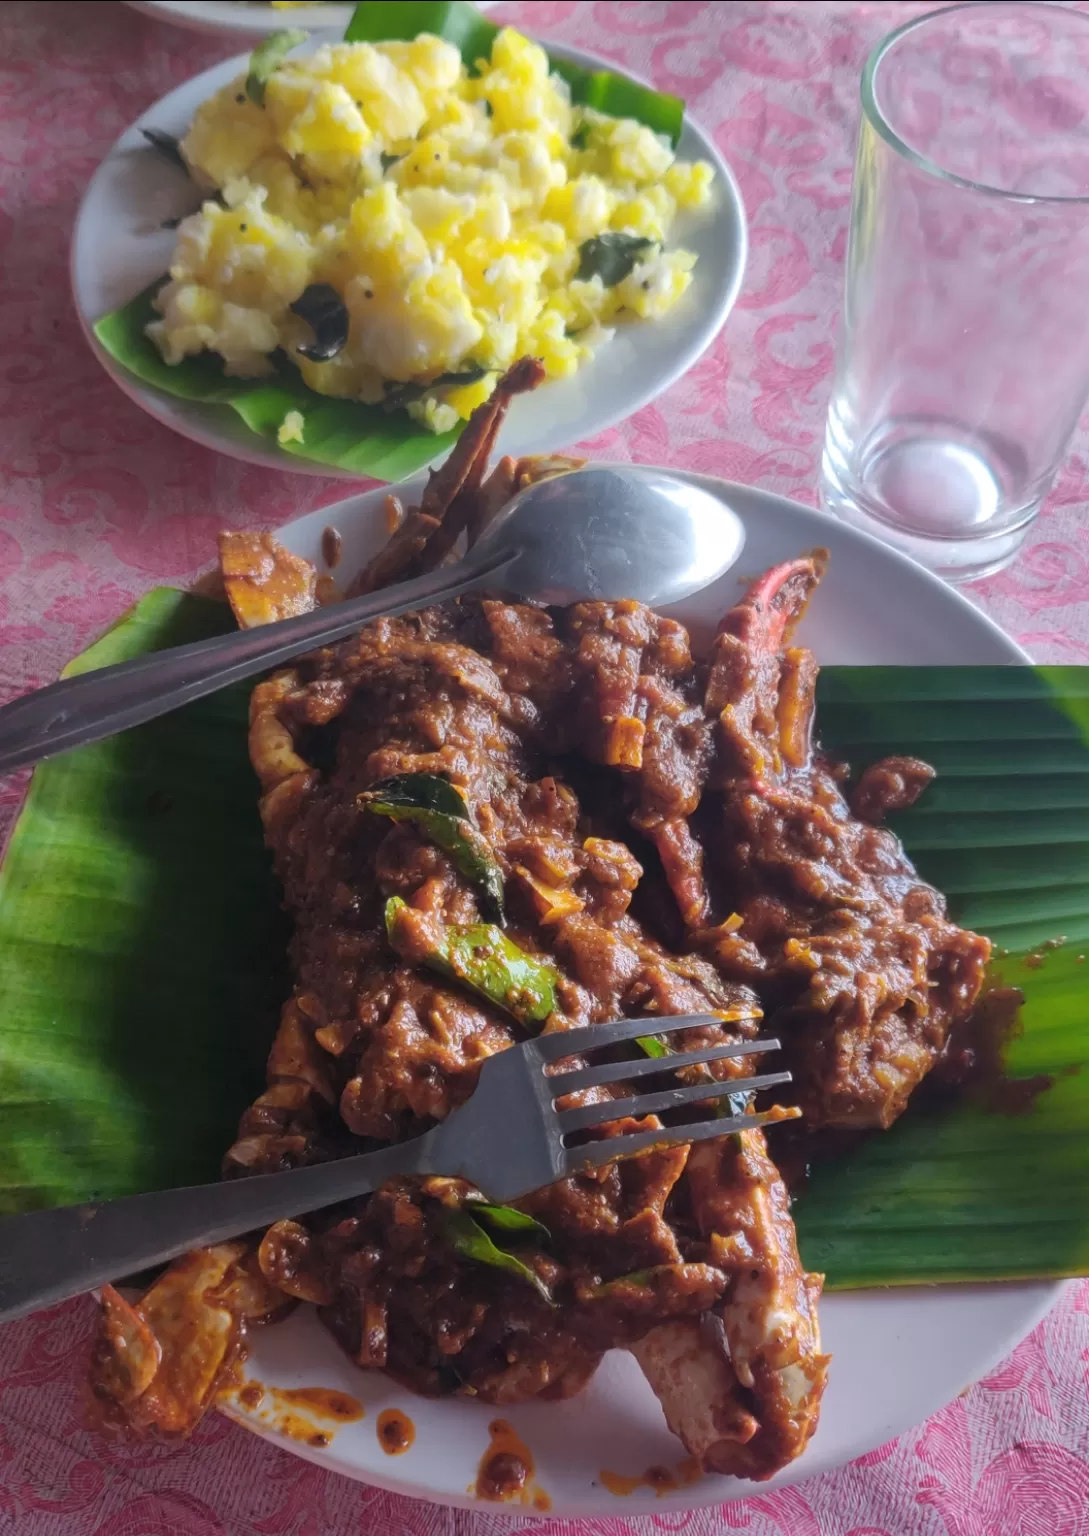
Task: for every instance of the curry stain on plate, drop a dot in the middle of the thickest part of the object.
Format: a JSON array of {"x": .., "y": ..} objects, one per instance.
[
  {"x": 302, "y": 1413},
  {"x": 395, "y": 1430},
  {"x": 660, "y": 1479},
  {"x": 506, "y": 1470}
]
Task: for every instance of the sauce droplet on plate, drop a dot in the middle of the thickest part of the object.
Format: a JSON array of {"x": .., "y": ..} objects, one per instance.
[
  {"x": 311, "y": 1415},
  {"x": 326, "y": 1402},
  {"x": 396, "y": 1431},
  {"x": 660, "y": 1479},
  {"x": 506, "y": 1469}
]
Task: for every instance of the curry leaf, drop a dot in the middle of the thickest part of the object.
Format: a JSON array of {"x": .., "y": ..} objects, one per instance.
[
  {"x": 731, "y": 1104},
  {"x": 437, "y": 808},
  {"x": 422, "y": 791},
  {"x": 726, "y": 1106},
  {"x": 482, "y": 958},
  {"x": 612, "y": 257},
  {"x": 326, "y": 313},
  {"x": 469, "y": 1239},
  {"x": 266, "y": 59},
  {"x": 168, "y": 146},
  {"x": 638, "y": 1279},
  {"x": 506, "y": 1218},
  {"x": 399, "y": 395}
]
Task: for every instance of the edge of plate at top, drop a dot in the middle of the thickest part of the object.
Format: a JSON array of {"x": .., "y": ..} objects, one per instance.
[
  {"x": 118, "y": 250},
  {"x": 899, "y": 1354},
  {"x": 222, "y": 18}
]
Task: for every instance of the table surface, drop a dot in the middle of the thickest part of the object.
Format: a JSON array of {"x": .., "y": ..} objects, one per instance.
[{"x": 97, "y": 503}]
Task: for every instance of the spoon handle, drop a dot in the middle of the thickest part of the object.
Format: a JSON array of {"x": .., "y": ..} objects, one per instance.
[{"x": 99, "y": 704}]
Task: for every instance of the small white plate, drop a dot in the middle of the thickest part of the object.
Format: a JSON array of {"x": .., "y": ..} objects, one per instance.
[
  {"x": 119, "y": 249},
  {"x": 223, "y": 16},
  {"x": 898, "y": 1355}
]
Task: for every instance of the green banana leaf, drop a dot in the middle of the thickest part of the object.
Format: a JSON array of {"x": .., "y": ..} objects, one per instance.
[
  {"x": 141, "y": 963},
  {"x": 345, "y": 434},
  {"x": 387, "y": 445},
  {"x": 141, "y": 947},
  {"x": 966, "y": 1192}
]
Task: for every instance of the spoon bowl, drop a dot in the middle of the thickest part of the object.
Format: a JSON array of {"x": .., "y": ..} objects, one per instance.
[{"x": 613, "y": 531}]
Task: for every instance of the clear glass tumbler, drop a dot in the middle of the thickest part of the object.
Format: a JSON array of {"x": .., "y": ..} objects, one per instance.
[{"x": 963, "y": 360}]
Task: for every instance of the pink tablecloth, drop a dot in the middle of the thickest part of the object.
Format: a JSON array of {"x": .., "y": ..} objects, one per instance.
[{"x": 97, "y": 503}]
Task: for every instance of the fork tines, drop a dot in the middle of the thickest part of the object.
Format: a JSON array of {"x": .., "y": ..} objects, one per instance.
[
  {"x": 622, "y": 1071},
  {"x": 672, "y": 1098},
  {"x": 593, "y": 1154},
  {"x": 572, "y": 1042},
  {"x": 575, "y": 1042}
]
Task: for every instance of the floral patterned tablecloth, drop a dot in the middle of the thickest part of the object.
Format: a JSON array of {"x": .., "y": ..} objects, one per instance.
[{"x": 97, "y": 503}]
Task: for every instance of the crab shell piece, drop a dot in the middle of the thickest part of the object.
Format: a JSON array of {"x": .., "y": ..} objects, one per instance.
[{"x": 776, "y": 601}]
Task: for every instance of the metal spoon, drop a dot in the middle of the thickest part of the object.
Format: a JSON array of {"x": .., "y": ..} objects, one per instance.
[{"x": 607, "y": 532}]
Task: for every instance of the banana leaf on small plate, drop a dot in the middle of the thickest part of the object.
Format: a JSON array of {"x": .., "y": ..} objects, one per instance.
[{"x": 372, "y": 440}]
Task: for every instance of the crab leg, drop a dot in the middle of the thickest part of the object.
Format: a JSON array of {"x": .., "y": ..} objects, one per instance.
[
  {"x": 460, "y": 507},
  {"x": 742, "y": 1387},
  {"x": 774, "y": 604},
  {"x": 510, "y": 476},
  {"x": 430, "y": 531},
  {"x": 761, "y": 695}
]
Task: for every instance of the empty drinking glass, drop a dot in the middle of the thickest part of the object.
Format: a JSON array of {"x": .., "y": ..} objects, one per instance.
[{"x": 964, "y": 346}]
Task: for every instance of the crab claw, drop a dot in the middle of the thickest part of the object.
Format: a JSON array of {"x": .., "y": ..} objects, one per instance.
[{"x": 774, "y": 603}]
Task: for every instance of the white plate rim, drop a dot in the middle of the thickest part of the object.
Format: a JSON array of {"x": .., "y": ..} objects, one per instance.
[
  {"x": 216, "y": 427},
  {"x": 220, "y": 18},
  {"x": 1025, "y": 1302}
]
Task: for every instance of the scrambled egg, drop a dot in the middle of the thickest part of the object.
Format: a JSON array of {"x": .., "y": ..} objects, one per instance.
[{"x": 462, "y": 219}]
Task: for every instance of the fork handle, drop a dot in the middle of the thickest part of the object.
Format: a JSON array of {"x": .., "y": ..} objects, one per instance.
[
  {"x": 47, "y": 1256},
  {"x": 93, "y": 705}
]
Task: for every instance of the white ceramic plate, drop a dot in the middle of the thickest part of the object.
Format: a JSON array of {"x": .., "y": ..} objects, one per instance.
[
  {"x": 119, "y": 248},
  {"x": 898, "y": 1355},
  {"x": 256, "y": 19}
]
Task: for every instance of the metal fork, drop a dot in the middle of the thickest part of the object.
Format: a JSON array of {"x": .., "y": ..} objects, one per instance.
[{"x": 507, "y": 1139}]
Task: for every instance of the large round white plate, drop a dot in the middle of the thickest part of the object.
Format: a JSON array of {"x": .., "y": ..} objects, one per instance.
[
  {"x": 898, "y": 1355},
  {"x": 226, "y": 16},
  {"x": 119, "y": 248}
]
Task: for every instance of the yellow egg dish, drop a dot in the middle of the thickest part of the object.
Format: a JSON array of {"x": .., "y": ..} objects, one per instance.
[{"x": 452, "y": 221}]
